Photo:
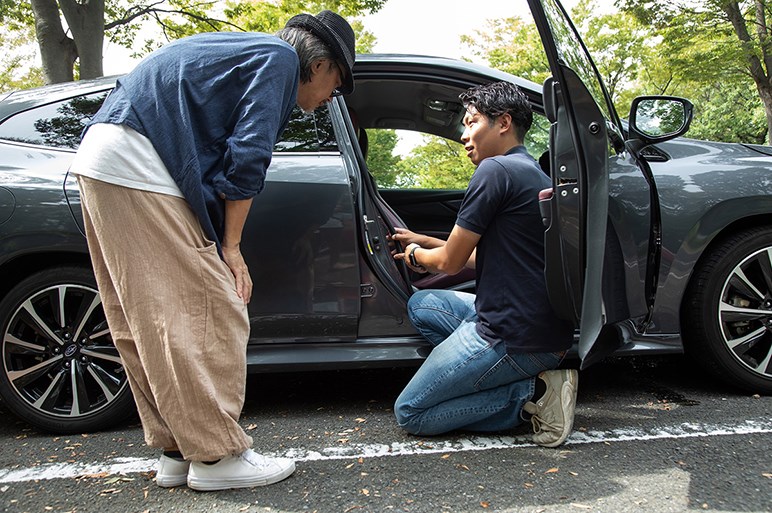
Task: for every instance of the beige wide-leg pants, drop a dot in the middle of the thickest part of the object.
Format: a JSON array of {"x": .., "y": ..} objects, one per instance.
[{"x": 175, "y": 318}]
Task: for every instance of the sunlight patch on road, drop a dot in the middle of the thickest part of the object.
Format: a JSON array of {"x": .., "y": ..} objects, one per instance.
[{"x": 415, "y": 447}]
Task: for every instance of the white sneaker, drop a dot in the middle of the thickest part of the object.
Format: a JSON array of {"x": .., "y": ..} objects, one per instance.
[
  {"x": 245, "y": 470},
  {"x": 171, "y": 472}
]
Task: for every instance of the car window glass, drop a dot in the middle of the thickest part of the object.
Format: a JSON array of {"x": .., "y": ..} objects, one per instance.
[
  {"x": 572, "y": 53},
  {"x": 57, "y": 124},
  {"x": 308, "y": 132},
  {"x": 401, "y": 159}
]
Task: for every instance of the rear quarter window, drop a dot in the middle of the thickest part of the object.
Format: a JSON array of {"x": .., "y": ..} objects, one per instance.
[{"x": 58, "y": 125}]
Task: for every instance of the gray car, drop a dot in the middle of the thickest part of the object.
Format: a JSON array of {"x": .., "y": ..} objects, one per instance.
[{"x": 654, "y": 243}]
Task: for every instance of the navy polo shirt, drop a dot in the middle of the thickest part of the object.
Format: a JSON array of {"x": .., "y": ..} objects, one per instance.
[
  {"x": 501, "y": 205},
  {"x": 213, "y": 105}
]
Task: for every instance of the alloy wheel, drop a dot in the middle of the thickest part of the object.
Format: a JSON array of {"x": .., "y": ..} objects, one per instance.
[
  {"x": 745, "y": 312},
  {"x": 58, "y": 354}
]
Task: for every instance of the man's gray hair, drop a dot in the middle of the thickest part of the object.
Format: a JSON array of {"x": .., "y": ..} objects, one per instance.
[{"x": 308, "y": 47}]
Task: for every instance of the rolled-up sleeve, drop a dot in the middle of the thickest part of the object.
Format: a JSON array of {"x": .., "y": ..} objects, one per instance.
[{"x": 260, "y": 117}]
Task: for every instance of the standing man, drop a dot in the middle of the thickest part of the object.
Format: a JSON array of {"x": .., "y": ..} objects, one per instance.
[
  {"x": 491, "y": 367},
  {"x": 167, "y": 171}
]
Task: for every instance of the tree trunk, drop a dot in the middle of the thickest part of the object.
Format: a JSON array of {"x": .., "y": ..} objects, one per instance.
[
  {"x": 57, "y": 51},
  {"x": 86, "y": 20},
  {"x": 756, "y": 66}
]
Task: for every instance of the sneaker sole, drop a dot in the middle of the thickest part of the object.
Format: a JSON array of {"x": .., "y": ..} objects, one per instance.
[
  {"x": 171, "y": 481},
  {"x": 568, "y": 399},
  {"x": 210, "y": 485}
]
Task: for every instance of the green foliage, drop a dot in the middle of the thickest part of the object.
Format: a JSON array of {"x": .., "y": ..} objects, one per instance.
[
  {"x": 271, "y": 16},
  {"x": 16, "y": 63},
  {"x": 381, "y": 160},
  {"x": 510, "y": 45},
  {"x": 729, "y": 112},
  {"x": 438, "y": 163}
]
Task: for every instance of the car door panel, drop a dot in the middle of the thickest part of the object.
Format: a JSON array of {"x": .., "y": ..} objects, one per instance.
[{"x": 585, "y": 265}]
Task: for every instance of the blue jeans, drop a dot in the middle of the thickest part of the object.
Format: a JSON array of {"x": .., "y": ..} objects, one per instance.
[{"x": 465, "y": 383}]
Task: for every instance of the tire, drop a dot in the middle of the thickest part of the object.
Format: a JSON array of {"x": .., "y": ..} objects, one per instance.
[
  {"x": 61, "y": 377},
  {"x": 727, "y": 326}
]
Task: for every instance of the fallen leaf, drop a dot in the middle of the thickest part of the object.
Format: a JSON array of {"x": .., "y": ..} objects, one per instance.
[
  {"x": 462, "y": 466},
  {"x": 485, "y": 504},
  {"x": 365, "y": 491},
  {"x": 573, "y": 473},
  {"x": 552, "y": 470},
  {"x": 251, "y": 427},
  {"x": 767, "y": 475},
  {"x": 445, "y": 456},
  {"x": 349, "y": 465},
  {"x": 360, "y": 420},
  {"x": 528, "y": 485}
]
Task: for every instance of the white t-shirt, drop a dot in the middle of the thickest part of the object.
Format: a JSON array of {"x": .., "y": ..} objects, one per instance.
[{"x": 118, "y": 155}]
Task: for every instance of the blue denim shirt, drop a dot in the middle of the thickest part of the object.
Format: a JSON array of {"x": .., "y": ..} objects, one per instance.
[{"x": 213, "y": 105}]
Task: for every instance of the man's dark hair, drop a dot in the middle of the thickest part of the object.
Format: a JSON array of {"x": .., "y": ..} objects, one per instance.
[{"x": 498, "y": 98}]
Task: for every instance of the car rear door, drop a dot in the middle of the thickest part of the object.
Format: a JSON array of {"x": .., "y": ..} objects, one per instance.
[{"x": 583, "y": 259}]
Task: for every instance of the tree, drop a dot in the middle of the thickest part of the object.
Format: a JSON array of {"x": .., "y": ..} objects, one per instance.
[
  {"x": 72, "y": 32},
  {"x": 436, "y": 164},
  {"x": 17, "y": 70},
  {"x": 381, "y": 160},
  {"x": 719, "y": 40}
]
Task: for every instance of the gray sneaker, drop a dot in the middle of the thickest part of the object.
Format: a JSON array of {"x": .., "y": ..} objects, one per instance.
[
  {"x": 245, "y": 470},
  {"x": 171, "y": 472},
  {"x": 553, "y": 414}
]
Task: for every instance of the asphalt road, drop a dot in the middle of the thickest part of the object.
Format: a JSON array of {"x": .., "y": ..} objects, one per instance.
[{"x": 652, "y": 434}]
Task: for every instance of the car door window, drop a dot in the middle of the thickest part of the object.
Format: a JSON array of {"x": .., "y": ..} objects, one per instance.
[
  {"x": 573, "y": 54},
  {"x": 308, "y": 132},
  {"x": 399, "y": 159},
  {"x": 58, "y": 125}
]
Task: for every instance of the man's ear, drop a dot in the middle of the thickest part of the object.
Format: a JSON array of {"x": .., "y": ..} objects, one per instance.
[
  {"x": 505, "y": 122},
  {"x": 316, "y": 67}
]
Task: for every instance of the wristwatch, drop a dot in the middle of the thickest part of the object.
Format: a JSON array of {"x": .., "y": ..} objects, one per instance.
[{"x": 411, "y": 256}]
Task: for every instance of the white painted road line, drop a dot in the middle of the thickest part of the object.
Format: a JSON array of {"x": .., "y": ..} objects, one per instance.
[{"x": 412, "y": 448}]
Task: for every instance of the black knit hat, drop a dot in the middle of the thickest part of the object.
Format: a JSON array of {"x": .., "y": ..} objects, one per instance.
[{"x": 337, "y": 34}]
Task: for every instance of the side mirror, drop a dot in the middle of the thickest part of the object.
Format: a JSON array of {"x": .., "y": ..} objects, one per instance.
[{"x": 655, "y": 119}]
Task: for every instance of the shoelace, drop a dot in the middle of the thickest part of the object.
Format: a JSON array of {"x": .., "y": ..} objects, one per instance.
[
  {"x": 258, "y": 460},
  {"x": 537, "y": 424}
]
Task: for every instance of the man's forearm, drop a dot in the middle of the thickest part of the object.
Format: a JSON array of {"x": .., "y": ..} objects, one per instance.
[{"x": 236, "y": 212}]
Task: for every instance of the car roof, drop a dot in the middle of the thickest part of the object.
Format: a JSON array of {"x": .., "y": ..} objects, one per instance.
[
  {"x": 383, "y": 81},
  {"x": 24, "y": 99}
]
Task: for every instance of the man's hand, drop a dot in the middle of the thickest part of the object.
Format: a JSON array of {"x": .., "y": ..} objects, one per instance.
[
  {"x": 406, "y": 258},
  {"x": 234, "y": 261},
  {"x": 405, "y": 237}
]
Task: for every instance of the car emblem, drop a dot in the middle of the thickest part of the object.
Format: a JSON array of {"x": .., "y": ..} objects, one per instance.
[{"x": 70, "y": 350}]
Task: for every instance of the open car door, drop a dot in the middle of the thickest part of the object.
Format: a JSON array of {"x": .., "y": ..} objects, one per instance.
[{"x": 581, "y": 262}]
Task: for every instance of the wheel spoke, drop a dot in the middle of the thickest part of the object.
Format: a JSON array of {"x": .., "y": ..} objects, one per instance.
[
  {"x": 750, "y": 337},
  {"x": 43, "y": 401},
  {"x": 731, "y": 313},
  {"x": 95, "y": 301},
  {"x": 40, "y": 324},
  {"x": 766, "y": 267},
  {"x": 98, "y": 378},
  {"x": 76, "y": 385},
  {"x": 21, "y": 378},
  {"x": 98, "y": 334},
  {"x": 103, "y": 354},
  {"x": 763, "y": 366},
  {"x": 62, "y": 292},
  {"x": 10, "y": 339},
  {"x": 745, "y": 286}
]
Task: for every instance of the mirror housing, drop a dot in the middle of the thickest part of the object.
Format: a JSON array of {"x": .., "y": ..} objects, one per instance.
[{"x": 655, "y": 119}]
